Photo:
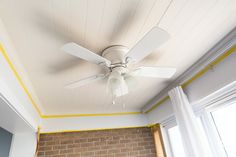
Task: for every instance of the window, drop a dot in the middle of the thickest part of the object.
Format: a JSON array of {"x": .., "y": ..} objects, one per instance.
[
  {"x": 176, "y": 142},
  {"x": 216, "y": 118},
  {"x": 224, "y": 120},
  {"x": 172, "y": 139}
]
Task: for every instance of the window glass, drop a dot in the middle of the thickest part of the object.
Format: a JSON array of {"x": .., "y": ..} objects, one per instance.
[
  {"x": 176, "y": 142},
  {"x": 204, "y": 137},
  {"x": 224, "y": 119}
]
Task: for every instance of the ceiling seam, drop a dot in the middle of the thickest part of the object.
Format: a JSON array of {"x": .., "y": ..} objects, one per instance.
[
  {"x": 102, "y": 18},
  {"x": 178, "y": 12},
  {"x": 144, "y": 22},
  {"x": 162, "y": 16},
  {"x": 116, "y": 21},
  {"x": 133, "y": 15},
  {"x": 85, "y": 25}
]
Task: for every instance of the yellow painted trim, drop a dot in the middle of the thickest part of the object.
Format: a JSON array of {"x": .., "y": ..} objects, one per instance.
[
  {"x": 90, "y": 115},
  {"x": 157, "y": 104},
  {"x": 199, "y": 74},
  {"x": 209, "y": 66},
  {"x": 152, "y": 125},
  {"x": 99, "y": 129},
  {"x": 19, "y": 79}
]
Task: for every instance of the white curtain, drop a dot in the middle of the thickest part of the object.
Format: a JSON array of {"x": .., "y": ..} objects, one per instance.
[{"x": 191, "y": 134}]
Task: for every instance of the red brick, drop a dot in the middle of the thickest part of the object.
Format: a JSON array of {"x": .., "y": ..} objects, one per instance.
[{"x": 136, "y": 142}]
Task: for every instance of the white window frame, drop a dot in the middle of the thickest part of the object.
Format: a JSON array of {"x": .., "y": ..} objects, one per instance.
[
  {"x": 203, "y": 109},
  {"x": 210, "y": 127},
  {"x": 165, "y": 125}
]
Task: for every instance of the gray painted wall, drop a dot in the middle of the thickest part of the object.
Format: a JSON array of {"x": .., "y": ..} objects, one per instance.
[{"x": 5, "y": 142}]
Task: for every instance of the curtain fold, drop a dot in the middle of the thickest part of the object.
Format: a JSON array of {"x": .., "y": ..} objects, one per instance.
[{"x": 191, "y": 134}]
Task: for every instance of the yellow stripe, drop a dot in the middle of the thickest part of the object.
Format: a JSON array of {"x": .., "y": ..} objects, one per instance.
[
  {"x": 99, "y": 129},
  {"x": 157, "y": 104},
  {"x": 19, "y": 79},
  {"x": 152, "y": 125},
  {"x": 90, "y": 115},
  {"x": 209, "y": 66},
  {"x": 199, "y": 74}
]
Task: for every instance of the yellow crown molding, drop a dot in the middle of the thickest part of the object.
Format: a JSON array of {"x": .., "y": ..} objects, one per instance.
[
  {"x": 98, "y": 129},
  {"x": 90, "y": 115},
  {"x": 197, "y": 75}
]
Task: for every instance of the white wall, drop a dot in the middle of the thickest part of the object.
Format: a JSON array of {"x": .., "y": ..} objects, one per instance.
[
  {"x": 160, "y": 113},
  {"x": 11, "y": 120},
  {"x": 221, "y": 75},
  {"x": 5, "y": 142},
  {"x": 94, "y": 122},
  {"x": 24, "y": 135},
  {"x": 17, "y": 115},
  {"x": 10, "y": 86},
  {"x": 23, "y": 145}
]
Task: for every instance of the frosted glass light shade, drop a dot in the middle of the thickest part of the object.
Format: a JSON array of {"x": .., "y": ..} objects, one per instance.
[{"x": 117, "y": 84}]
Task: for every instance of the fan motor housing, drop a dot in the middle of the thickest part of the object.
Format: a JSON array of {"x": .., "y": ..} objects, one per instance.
[{"x": 116, "y": 54}]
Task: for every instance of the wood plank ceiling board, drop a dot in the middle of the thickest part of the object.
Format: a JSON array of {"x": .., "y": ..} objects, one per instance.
[{"x": 38, "y": 29}]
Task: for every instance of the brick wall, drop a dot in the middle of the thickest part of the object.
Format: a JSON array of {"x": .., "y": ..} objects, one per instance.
[{"x": 135, "y": 142}]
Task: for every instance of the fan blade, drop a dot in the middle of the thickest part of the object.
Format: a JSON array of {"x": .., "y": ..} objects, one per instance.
[
  {"x": 156, "y": 72},
  {"x": 153, "y": 39},
  {"x": 85, "y": 81},
  {"x": 83, "y": 53}
]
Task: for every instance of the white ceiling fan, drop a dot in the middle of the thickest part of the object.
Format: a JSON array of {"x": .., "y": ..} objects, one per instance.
[{"x": 118, "y": 61}]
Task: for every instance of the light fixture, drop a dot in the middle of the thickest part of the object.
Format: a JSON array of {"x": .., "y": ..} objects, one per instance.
[{"x": 117, "y": 84}]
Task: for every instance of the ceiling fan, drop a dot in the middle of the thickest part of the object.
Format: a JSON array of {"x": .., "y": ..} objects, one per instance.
[{"x": 119, "y": 60}]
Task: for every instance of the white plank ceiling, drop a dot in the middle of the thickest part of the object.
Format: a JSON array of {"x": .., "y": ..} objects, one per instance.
[{"x": 38, "y": 28}]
